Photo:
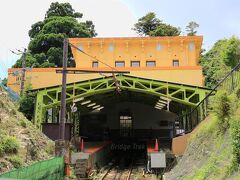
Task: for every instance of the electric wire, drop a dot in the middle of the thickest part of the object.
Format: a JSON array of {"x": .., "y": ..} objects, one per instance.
[
  {"x": 93, "y": 57},
  {"x": 112, "y": 68}
]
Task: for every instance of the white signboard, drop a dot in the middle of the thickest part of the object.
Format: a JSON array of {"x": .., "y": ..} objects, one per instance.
[{"x": 158, "y": 160}]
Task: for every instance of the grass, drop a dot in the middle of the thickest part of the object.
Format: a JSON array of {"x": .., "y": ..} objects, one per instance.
[
  {"x": 16, "y": 161},
  {"x": 10, "y": 144},
  {"x": 213, "y": 150},
  {"x": 21, "y": 143}
]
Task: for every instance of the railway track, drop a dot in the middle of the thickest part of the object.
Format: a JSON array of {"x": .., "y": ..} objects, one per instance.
[{"x": 119, "y": 171}]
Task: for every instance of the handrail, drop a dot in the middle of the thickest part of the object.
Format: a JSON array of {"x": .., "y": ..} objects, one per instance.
[{"x": 205, "y": 100}]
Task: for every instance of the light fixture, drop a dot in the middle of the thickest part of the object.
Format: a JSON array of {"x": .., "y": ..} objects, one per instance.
[
  {"x": 99, "y": 109},
  {"x": 158, "y": 103},
  {"x": 90, "y": 105},
  {"x": 158, "y": 108},
  {"x": 96, "y": 106},
  {"x": 78, "y": 99},
  {"x": 161, "y": 101},
  {"x": 165, "y": 98},
  {"x": 85, "y": 102}
]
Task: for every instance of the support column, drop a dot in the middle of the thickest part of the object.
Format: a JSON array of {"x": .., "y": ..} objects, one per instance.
[{"x": 39, "y": 110}]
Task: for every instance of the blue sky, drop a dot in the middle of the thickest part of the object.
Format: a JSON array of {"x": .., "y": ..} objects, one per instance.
[{"x": 217, "y": 19}]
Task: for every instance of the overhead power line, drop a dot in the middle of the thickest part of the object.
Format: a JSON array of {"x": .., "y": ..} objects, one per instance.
[
  {"x": 92, "y": 57},
  {"x": 113, "y": 73}
]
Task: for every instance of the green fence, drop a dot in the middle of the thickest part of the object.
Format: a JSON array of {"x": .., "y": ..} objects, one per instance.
[{"x": 52, "y": 169}]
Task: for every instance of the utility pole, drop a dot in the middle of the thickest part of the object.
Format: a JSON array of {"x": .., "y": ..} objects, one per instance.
[
  {"x": 23, "y": 71},
  {"x": 63, "y": 94}
]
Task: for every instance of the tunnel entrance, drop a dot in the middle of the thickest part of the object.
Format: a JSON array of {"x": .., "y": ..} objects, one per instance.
[
  {"x": 111, "y": 122},
  {"x": 128, "y": 122}
]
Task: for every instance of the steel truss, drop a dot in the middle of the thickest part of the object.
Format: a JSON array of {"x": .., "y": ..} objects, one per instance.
[{"x": 50, "y": 97}]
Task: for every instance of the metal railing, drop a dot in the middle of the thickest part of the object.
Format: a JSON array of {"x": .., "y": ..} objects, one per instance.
[
  {"x": 187, "y": 122},
  {"x": 52, "y": 169},
  {"x": 14, "y": 96}
]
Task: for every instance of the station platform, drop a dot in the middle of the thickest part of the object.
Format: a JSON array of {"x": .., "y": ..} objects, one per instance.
[
  {"x": 151, "y": 147},
  {"x": 93, "y": 147}
]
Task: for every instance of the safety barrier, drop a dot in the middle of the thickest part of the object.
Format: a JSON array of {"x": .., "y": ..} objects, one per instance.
[
  {"x": 14, "y": 96},
  {"x": 52, "y": 169},
  {"x": 187, "y": 122}
]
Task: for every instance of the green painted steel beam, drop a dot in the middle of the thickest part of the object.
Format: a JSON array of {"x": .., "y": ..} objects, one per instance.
[{"x": 50, "y": 97}]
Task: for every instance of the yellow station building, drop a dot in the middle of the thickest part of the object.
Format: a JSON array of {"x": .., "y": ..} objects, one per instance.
[
  {"x": 172, "y": 59},
  {"x": 168, "y": 59}
]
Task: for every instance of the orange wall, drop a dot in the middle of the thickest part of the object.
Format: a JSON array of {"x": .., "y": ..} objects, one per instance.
[
  {"x": 179, "y": 144},
  {"x": 127, "y": 49},
  {"x": 41, "y": 77},
  {"x": 186, "y": 49}
]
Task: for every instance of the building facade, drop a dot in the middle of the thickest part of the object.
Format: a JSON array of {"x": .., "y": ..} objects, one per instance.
[{"x": 173, "y": 59}]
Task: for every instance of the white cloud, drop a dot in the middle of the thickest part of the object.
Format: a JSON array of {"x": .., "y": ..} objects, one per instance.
[{"x": 111, "y": 18}]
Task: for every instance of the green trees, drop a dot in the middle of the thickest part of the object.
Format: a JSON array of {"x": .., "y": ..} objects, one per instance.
[
  {"x": 61, "y": 21},
  {"x": 26, "y": 106},
  {"x": 149, "y": 25},
  {"x": 4, "y": 81},
  {"x": 222, "y": 57},
  {"x": 191, "y": 28},
  {"x": 26, "y": 102},
  {"x": 62, "y": 9},
  {"x": 232, "y": 54}
]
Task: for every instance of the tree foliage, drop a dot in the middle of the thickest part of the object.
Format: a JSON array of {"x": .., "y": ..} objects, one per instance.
[
  {"x": 222, "y": 110},
  {"x": 45, "y": 47},
  {"x": 165, "y": 30},
  {"x": 150, "y": 25},
  {"x": 191, "y": 28},
  {"x": 62, "y": 9},
  {"x": 222, "y": 57},
  {"x": 4, "y": 81},
  {"x": 27, "y": 106},
  {"x": 26, "y": 103}
]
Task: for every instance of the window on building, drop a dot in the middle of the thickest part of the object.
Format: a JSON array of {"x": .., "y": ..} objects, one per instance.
[
  {"x": 151, "y": 63},
  {"x": 80, "y": 46},
  {"x": 191, "y": 46},
  {"x": 135, "y": 63},
  {"x": 111, "y": 47},
  {"x": 126, "y": 124},
  {"x": 175, "y": 63},
  {"x": 119, "y": 64},
  {"x": 95, "y": 64},
  {"x": 158, "y": 47}
]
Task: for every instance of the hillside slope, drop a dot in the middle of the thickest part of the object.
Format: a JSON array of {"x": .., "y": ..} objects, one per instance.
[
  {"x": 211, "y": 153},
  {"x": 20, "y": 142}
]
